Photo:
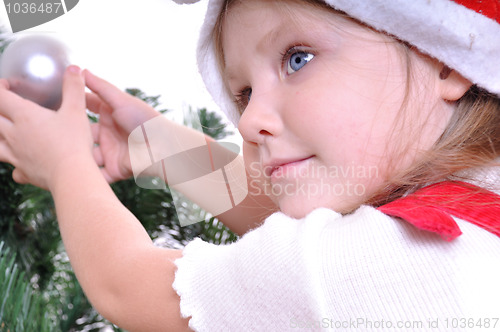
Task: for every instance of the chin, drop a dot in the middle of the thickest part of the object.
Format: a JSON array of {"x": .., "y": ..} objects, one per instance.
[
  {"x": 296, "y": 210},
  {"x": 296, "y": 214},
  {"x": 299, "y": 209}
]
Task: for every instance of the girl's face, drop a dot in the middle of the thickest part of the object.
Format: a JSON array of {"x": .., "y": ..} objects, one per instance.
[{"x": 324, "y": 116}]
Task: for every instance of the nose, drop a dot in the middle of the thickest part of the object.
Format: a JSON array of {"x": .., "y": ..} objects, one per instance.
[{"x": 261, "y": 119}]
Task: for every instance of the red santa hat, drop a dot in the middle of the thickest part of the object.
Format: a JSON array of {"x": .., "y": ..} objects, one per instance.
[{"x": 463, "y": 34}]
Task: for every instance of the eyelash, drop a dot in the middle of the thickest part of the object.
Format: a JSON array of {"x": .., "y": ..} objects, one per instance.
[
  {"x": 285, "y": 57},
  {"x": 242, "y": 98}
]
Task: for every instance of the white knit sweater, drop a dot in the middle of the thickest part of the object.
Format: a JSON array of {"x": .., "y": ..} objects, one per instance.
[{"x": 360, "y": 272}]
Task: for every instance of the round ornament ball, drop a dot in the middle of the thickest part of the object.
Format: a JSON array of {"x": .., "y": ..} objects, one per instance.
[{"x": 34, "y": 67}]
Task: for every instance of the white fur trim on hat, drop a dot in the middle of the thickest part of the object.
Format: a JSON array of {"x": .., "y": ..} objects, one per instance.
[
  {"x": 183, "y": 2},
  {"x": 465, "y": 40}
]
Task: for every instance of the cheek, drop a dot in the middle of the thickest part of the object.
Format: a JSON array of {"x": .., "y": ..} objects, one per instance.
[
  {"x": 339, "y": 119},
  {"x": 359, "y": 135},
  {"x": 250, "y": 155}
]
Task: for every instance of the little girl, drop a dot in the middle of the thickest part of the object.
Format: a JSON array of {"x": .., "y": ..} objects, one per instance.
[{"x": 372, "y": 125}]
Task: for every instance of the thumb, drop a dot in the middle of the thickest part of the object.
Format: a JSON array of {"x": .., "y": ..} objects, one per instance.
[{"x": 73, "y": 89}]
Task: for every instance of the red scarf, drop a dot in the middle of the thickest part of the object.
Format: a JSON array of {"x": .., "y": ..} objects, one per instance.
[{"x": 431, "y": 208}]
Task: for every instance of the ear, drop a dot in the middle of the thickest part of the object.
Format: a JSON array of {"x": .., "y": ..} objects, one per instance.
[{"x": 452, "y": 86}]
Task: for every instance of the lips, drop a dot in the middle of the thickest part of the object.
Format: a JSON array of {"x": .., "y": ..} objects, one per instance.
[{"x": 275, "y": 166}]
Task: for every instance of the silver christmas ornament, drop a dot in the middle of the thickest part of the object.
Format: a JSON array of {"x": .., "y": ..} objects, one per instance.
[{"x": 34, "y": 67}]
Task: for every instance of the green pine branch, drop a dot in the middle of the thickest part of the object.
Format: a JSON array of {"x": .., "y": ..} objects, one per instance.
[{"x": 21, "y": 308}]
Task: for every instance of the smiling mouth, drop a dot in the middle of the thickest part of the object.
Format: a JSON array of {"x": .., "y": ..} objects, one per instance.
[{"x": 279, "y": 169}]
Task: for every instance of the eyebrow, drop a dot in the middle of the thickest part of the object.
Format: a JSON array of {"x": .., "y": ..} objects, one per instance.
[
  {"x": 270, "y": 38},
  {"x": 267, "y": 40}
]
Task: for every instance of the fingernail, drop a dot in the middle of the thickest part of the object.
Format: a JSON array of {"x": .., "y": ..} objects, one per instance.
[
  {"x": 87, "y": 72},
  {"x": 74, "y": 69}
]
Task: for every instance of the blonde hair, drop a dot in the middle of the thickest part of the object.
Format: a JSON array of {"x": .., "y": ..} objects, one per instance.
[{"x": 470, "y": 140}]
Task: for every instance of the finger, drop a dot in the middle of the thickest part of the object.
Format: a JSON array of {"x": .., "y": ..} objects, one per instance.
[
  {"x": 73, "y": 89},
  {"x": 94, "y": 103},
  {"x": 19, "y": 177},
  {"x": 107, "y": 176},
  {"x": 4, "y": 84},
  {"x": 107, "y": 91},
  {"x": 98, "y": 157},
  {"x": 10, "y": 103},
  {"x": 5, "y": 125},
  {"x": 95, "y": 128},
  {"x": 5, "y": 153}
]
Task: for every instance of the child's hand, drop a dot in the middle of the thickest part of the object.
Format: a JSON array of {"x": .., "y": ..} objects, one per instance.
[
  {"x": 119, "y": 114},
  {"x": 39, "y": 142}
]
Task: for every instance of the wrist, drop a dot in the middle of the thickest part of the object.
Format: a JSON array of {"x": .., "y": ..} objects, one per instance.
[{"x": 74, "y": 169}]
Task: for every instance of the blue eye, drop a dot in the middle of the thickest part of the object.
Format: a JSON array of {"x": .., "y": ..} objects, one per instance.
[
  {"x": 249, "y": 95},
  {"x": 298, "y": 60}
]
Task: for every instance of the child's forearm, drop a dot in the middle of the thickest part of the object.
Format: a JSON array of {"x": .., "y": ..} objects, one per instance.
[
  {"x": 187, "y": 154},
  {"x": 250, "y": 213},
  {"x": 112, "y": 255},
  {"x": 89, "y": 215}
]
